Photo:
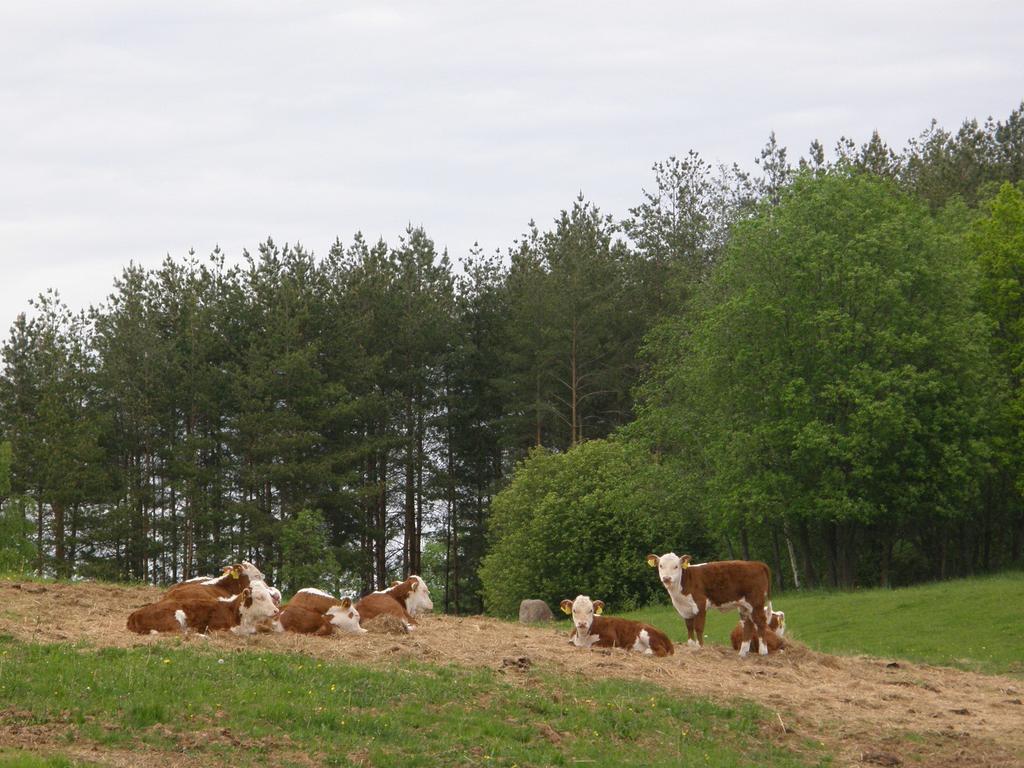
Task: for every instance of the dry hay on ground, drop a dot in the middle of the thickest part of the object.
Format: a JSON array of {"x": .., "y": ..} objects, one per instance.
[
  {"x": 386, "y": 624},
  {"x": 859, "y": 707}
]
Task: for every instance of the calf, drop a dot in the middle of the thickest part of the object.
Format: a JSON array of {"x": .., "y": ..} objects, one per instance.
[
  {"x": 403, "y": 599},
  {"x": 325, "y": 604},
  {"x": 295, "y": 618},
  {"x": 590, "y": 628},
  {"x": 725, "y": 585},
  {"x": 239, "y": 613},
  {"x": 773, "y": 639}
]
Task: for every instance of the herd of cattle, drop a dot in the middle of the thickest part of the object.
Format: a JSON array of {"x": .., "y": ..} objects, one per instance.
[{"x": 240, "y": 600}]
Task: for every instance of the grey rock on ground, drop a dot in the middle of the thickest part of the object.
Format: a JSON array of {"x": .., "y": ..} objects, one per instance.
[{"x": 534, "y": 610}]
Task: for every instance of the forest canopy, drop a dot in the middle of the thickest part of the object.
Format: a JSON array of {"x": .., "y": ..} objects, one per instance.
[{"x": 817, "y": 363}]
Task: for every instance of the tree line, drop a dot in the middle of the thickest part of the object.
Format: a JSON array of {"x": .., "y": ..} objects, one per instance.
[{"x": 815, "y": 363}]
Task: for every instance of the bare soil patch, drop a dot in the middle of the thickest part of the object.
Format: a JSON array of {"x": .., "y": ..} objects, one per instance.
[{"x": 861, "y": 708}]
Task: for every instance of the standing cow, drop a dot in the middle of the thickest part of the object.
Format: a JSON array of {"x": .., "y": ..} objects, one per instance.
[{"x": 728, "y": 584}]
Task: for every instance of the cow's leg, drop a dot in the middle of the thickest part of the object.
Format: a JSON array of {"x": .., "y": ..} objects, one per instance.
[
  {"x": 690, "y": 634},
  {"x": 762, "y": 629},
  {"x": 698, "y": 625},
  {"x": 748, "y": 631},
  {"x": 409, "y": 621},
  {"x": 643, "y": 642}
]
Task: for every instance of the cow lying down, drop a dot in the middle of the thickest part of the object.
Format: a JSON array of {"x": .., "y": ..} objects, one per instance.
[
  {"x": 239, "y": 613},
  {"x": 403, "y": 600},
  {"x": 591, "y": 629},
  {"x": 315, "y": 612},
  {"x": 773, "y": 637}
]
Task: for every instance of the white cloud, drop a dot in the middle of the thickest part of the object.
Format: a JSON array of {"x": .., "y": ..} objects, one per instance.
[{"x": 128, "y": 131}]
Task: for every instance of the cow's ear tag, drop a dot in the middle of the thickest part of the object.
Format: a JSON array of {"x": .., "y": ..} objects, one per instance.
[
  {"x": 652, "y": 560},
  {"x": 599, "y": 608},
  {"x": 566, "y": 607},
  {"x": 234, "y": 574},
  {"x": 686, "y": 564}
]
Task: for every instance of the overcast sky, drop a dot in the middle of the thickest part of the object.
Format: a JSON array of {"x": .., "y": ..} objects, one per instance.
[{"x": 130, "y": 130}]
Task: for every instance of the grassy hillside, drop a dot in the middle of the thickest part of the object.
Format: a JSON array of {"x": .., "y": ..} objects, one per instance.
[
  {"x": 264, "y": 708},
  {"x": 975, "y": 624}
]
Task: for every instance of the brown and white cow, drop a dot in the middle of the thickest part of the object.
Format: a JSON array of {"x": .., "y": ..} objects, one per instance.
[
  {"x": 232, "y": 581},
  {"x": 239, "y": 613},
  {"x": 295, "y": 618},
  {"x": 403, "y": 599},
  {"x": 591, "y": 629},
  {"x": 773, "y": 639},
  {"x": 339, "y": 613},
  {"x": 727, "y": 584}
]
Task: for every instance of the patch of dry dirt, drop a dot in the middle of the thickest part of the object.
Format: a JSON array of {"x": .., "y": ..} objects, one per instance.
[{"x": 860, "y": 707}]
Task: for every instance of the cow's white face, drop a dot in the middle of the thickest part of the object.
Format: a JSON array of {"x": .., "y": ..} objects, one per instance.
[
  {"x": 275, "y": 593},
  {"x": 256, "y": 606},
  {"x": 250, "y": 570},
  {"x": 670, "y": 568},
  {"x": 582, "y": 610},
  {"x": 345, "y": 617},
  {"x": 419, "y": 598}
]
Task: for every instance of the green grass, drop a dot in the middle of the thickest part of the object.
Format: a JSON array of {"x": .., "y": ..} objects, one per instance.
[
  {"x": 276, "y": 705},
  {"x": 22, "y": 759},
  {"x": 975, "y": 624}
]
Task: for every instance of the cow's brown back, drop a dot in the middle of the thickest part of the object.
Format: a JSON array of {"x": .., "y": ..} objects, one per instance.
[
  {"x": 301, "y": 620},
  {"x": 202, "y": 615},
  {"x": 225, "y": 586},
  {"x": 615, "y": 632},
  {"x": 311, "y": 601},
  {"x": 375, "y": 604},
  {"x": 728, "y": 581}
]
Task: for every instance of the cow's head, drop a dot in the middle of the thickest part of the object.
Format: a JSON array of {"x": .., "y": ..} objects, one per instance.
[
  {"x": 582, "y": 610},
  {"x": 419, "y": 597},
  {"x": 670, "y": 568},
  {"x": 776, "y": 621},
  {"x": 275, "y": 593},
  {"x": 257, "y": 604},
  {"x": 250, "y": 570},
  {"x": 345, "y": 617}
]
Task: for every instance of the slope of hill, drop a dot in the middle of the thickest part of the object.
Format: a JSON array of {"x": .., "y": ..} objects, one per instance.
[{"x": 859, "y": 710}]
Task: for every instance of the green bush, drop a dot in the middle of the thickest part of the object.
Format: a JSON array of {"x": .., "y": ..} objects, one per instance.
[
  {"x": 581, "y": 522},
  {"x": 307, "y": 558}
]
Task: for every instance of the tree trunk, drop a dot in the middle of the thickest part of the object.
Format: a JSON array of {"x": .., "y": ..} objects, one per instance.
[
  {"x": 776, "y": 560},
  {"x": 847, "y": 538},
  {"x": 943, "y": 547},
  {"x": 729, "y": 549},
  {"x": 380, "y": 545},
  {"x": 417, "y": 541},
  {"x": 536, "y": 410},
  {"x": 885, "y": 559},
  {"x": 832, "y": 551},
  {"x": 60, "y": 564},
  {"x": 73, "y": 538},
  {"x": 745, "y": 542},
  {"x": 808, "y": 555},
  {"x": 39, "y": 532},
  {"x": 792, "y": 555},
  {"x": 409, "y": 534}
]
